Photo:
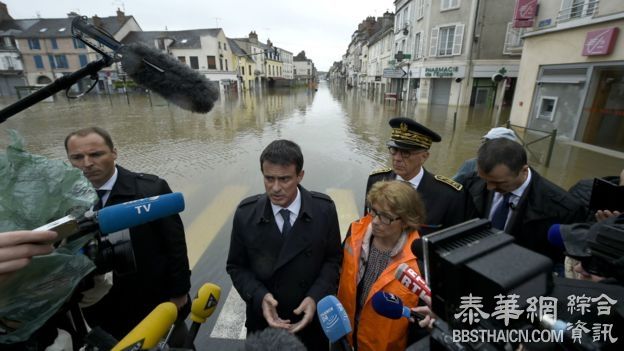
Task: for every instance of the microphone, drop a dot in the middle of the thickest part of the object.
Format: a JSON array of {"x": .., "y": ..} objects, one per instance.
[
  {"x": 334, "y": 320},
  {"x": 554, "y": 236},
  {"x": 157, "y": 70},
  {"x": 390, "y": 306},
  {"x": 152, "y": 328},
  {"x": 412, "y": 280},
  {"x": 202, "y": 307},
  {"x": 117, "y": 217},
  {"x": 417, "y": 248}
]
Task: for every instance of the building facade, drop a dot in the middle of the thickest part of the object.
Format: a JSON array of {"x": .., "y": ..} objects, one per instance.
[{"x": 572, "y": 72}]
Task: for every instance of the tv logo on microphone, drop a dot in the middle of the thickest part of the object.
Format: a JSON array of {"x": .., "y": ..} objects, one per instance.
[{"x": 145, "y": 207}]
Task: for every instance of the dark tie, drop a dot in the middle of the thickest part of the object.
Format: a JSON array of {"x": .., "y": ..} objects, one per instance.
[
  {"x": 286, "y": 215},
  {"x": 500, "y": 214},
  {"x": 100, "y": 194}
]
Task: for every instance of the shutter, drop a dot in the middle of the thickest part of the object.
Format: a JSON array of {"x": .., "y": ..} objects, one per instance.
[
  {"x": 433, "y": 46},
  {"x": 421, "y": 47},
  {"x": 458, "y": 40}
]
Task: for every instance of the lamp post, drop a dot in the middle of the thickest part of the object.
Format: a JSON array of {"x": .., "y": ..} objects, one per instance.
[{"x": 458, "y": 80}]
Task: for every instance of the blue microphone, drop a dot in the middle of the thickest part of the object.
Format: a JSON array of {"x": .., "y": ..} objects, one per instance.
[
  {"x": 132, "y": 213},
  {"x": 554, "y": 236},
  {"x": 334, "y": 320},
  {"x": 390, "y": 306}
]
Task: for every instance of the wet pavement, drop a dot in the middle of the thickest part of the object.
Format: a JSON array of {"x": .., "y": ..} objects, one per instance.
[{"x": 213, "y": 158}]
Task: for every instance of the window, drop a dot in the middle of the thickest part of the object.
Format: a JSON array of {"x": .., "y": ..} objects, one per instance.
[
  {"x": 243, "y": 70},
  {"x": 547, "y": 108},
  {"x": 295, "y": 71},
  {"x": 33, "y": 44},
  {"x": 61, "y": 61},
  {"x": 52, "y": 61},
  {"x": 405, "y": 17},
  {"x": 447, "y": 40},
  {"x": 220, "y": 64},
  {"x": 418, "y": 45},
  {"x": 226, "y": 65},
  {"x": 219, "y": 45},
  {"x": 53, "y": 43},
  {"x": 449, "y": 5},
  {"x": 420, "y": 9},
  {"x": 513, "y": 40},
  {"x": 83, "y": 60},
  {"x": 182, "y": 59},
  {"x": 308, "y": 72},
  {"x": 224, "y": 47},
  {"x": 398, "y": 22},
  {"x": 212, "y": 63},
  {"x": 577, "y": 9},
  {"x": 78, "y": 44},
  {"x": 194, "y": 62},
  {"x": 38, "y": 61},
  {"x": 249, "y": 69}
]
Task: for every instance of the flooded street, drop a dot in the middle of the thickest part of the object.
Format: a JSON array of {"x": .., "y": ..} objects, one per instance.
[{"x": 213, "y": 159}]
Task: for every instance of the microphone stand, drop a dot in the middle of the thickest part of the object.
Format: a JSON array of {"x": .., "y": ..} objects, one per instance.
[{"x": 59, "y": 84}]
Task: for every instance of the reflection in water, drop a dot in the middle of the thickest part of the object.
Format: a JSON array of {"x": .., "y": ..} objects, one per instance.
[{"x": 342, "y": 134}]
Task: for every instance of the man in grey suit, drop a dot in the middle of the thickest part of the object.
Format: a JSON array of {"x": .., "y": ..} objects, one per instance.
[{"x": 285, "y": 249}]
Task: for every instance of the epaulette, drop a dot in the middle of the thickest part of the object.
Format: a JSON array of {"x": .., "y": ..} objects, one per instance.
[
  {"x": 321, "y": 196},
  {"x": 381, "y": 170},
  {"x": 147, "y": 176},
  {"x": 249, "y": 200},
  {"x": 448, "y": 181}
]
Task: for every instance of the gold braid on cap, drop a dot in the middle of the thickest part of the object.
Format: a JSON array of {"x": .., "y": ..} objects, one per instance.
[{"x": 404, "y": 135}]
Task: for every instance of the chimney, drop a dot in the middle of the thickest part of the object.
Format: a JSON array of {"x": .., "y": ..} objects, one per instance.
[
  {"x": 269, "y": 43},
  {"x": 253, "y": 36},
  {"x": 97, "y": 21},
  {"x": 121, "y": 16}
]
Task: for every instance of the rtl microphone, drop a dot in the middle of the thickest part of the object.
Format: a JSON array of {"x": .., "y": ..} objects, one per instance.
[
  {"x": 157, "y": 71},
  {"x": 412, "y": 280},
  {"x": 202, "y": 307},
  {"x": 334, "y": 320},
  {"x": 390, "y": 306},
  {"x": 117, "y": 217},
  {"x": 148, "y": 333}
]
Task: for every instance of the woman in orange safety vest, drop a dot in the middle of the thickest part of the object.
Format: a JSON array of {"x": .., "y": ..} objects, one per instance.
[{"x": 375, "y": 246}]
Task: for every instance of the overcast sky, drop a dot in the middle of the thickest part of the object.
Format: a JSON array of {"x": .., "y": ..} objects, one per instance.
[{"x": 322, "y": 28}]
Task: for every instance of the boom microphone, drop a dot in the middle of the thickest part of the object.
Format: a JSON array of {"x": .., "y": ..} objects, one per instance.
[
  {"x": 390, "y": 306},
  {"x": 202, "y": 307},
  {"x": 157, "y": 71},
  {"x": 117, "y": 217},
  {"x": 152, "y": 328},
  {"x": 412, "y": 280},
  {"x": 334, "y": 320}
]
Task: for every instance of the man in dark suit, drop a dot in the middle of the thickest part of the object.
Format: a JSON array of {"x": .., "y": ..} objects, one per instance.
[
  {"x": 517, "y": 199},
  {"x": 285, "y": 249},
  {"x": 162, "y": 269},
  {"x": 445, "y": 201}
]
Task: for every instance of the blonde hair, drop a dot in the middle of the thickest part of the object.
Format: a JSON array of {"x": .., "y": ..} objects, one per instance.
[{"x": 400, "y": 198}]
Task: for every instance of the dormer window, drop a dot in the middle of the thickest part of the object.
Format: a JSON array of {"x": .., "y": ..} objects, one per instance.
[
  {"x": 62, "y": 29},
  {"x": 43, "y": 30},
  {"x": 184, "y": 41}
]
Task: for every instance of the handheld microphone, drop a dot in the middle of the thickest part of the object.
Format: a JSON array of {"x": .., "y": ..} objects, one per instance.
[
  {"x": 202, "y": 307},
  {"x": 117, "y": 217},
  {"x": 334, "y": 320},
  {"x": 412, "y": 280},
  {"x": 417, "y": 248},
  {"x": 390, "y": 306},
  {"x": 152, "y": 328},
  {"x": 157, "y": 70},
  {"x": 554, "y": 236}
]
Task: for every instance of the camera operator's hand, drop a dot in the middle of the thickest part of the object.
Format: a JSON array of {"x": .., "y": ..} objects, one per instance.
[
  {"x": 430, "y": 318},
  {"x": 18, "y": 247}
]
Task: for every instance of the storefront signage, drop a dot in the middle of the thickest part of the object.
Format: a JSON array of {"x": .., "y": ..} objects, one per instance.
[
  {"x": 441, "y": 72},
  {"x": 524, "y": 12},
  {"x": 600, "y": 42}
]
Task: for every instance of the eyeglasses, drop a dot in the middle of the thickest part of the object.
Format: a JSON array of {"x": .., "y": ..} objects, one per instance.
[
  {"x": 383, "y": 217},
  {"x": 404, "y": 153}
]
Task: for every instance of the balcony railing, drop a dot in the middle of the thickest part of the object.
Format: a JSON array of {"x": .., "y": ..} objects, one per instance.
[{"x": 578, "y": 9}]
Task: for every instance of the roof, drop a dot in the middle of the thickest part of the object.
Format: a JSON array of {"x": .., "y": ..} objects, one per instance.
[
  {"x": 237, "y": 50},
  {"x": 61, "y": 27},
  {"x": 182, "y": 39},
  {"x": 14, "y": 27}
]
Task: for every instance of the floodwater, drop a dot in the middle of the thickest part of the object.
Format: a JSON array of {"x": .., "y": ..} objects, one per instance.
[{"x": 213, "y": 158}]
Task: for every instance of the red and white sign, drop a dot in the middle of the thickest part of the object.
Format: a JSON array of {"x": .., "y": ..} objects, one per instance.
[
  {"x": 523, "y": 24},
  {"x": 600, "y": 42},
  {"x": 525, "y": 9}
]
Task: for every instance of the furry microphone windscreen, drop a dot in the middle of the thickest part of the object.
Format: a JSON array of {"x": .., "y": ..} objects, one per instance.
[{"x": 177, "y": 83}]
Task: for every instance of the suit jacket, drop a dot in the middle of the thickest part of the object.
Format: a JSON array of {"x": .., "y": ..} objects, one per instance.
[
  {"x": 542, "y": 205},
  {"x": 303, "y": 263},
  {"x": 446, "y": 202},
  {"x": 161, "y": 260}
]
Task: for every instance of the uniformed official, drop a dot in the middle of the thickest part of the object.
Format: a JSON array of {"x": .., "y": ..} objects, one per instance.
[{"x": 445, "y": 200}]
